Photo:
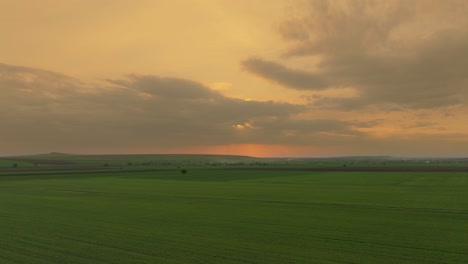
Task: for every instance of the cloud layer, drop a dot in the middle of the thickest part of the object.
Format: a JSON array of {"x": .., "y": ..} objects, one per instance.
[
  {"x": 410, "y": 54},
  {"x": 41, "y": 110}
]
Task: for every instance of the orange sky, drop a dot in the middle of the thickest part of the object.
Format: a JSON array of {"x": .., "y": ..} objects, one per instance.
[{"x": 262, "y": 78}]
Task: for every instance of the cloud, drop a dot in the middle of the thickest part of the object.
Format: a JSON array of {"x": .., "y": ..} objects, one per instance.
[
  {"x": 280, "y": 74},
  {"x": 408, "y": 54},
  {"x": 167, "y": 87},
  {"x": 43, "y": 111},
  {"x": 46, "y": 111}
]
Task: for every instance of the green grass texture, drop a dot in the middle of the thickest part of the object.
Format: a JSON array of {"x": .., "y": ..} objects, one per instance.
[{"x": 222, "y": 216}]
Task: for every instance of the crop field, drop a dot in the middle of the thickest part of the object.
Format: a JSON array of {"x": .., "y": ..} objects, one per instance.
[{"x": 233, "y": 216}]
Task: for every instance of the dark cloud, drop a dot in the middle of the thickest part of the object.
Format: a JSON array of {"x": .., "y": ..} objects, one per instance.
[
  {"x": 167, "y": 87},
  {"x": 44, "y": 111},
  {"x": 278, "y": 73},
  {"x": 410, "y": 54}
]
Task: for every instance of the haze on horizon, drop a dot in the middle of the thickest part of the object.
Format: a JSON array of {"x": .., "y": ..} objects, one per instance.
[{"x": 259, "y": 78}]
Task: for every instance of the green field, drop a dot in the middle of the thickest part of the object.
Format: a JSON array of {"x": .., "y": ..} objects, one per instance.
[{"x": 223, "y": 216}]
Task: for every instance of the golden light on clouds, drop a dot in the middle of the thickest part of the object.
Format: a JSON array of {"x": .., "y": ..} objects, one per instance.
[
  {"x": 219, "y": 86},
  {"x": 288, "y": 78},
  {"x": 244, "y": 125}
]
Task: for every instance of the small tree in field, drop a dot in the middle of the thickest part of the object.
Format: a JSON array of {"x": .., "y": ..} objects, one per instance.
[{"x": 183, "y": 171}]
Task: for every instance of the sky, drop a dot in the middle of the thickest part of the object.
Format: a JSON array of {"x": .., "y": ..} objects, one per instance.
[{"x": 276, "y": 78}]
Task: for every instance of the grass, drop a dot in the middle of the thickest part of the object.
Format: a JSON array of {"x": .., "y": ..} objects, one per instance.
[{"x": 216, "y": 216}]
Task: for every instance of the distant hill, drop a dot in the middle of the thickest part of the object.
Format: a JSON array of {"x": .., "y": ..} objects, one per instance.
[{"x": 56, "y": 154}]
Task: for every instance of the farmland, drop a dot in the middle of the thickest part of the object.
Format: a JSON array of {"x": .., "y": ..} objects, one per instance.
[{"x": 223, "y": 214}]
